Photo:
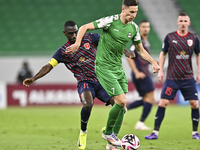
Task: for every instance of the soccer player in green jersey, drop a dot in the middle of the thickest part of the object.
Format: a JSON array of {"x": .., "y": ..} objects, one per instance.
[{"x": 118, "y": 30}]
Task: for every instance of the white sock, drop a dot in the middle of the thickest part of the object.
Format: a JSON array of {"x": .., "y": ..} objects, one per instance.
[
  {"x": 194, "y": 132},
  {"x": 156, "y": 132},
  {"x": 84, "y": 131}
]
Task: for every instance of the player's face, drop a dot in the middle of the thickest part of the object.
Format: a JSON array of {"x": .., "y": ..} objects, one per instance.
[
  {"x": 129, "y": 12},
  {"x": 71, "y": 33},
  {"x": 144, "y": 28},
  {"x": 183, "y": 22}
]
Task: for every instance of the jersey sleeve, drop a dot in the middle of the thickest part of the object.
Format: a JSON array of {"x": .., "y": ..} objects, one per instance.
[
  {"x": 105, "y": 22},
  {"x": 137, "y": 38},
  {"x": 56, "y": 58},
  {"x": 197, "y": 46},
  {"x": 165, "y": 45},
  {"x": 95, "y": 38}
]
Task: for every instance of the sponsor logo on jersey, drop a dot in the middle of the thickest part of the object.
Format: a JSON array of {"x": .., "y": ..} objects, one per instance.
[
  {"x": 87, "y": 46},
  {"x": 182, "y": 55},
  {"x": 174, "y": 41},
  {"x": 116, "y": 30},
  {"x": 190, "y": 42},
  {"x": 129, "y": 35}
]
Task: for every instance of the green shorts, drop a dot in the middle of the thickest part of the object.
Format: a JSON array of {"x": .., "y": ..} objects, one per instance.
[{"x": 114, "y": 82}]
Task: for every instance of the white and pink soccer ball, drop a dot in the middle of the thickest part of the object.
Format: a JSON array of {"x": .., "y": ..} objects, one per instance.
[{"x": 130, "y": 142}]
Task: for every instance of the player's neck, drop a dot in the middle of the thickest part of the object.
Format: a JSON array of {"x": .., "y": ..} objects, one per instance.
[
  {"x": 123, "y": 20},
  {"x": 182, "y": 32}
]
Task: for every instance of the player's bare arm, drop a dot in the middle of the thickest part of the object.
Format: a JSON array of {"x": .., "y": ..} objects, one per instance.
[
  {"x": 43, "y": 71},
  {"x": 129, "y": 54},
  {"x": 82, "y": 30},
  {"x": 161, "y": 64},
  {"x": 145, "y": 55},
  {"x": 198, "y": 65}
]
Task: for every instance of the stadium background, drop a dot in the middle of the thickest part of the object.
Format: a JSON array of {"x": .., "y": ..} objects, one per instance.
[{"x": 32, "y": 31}]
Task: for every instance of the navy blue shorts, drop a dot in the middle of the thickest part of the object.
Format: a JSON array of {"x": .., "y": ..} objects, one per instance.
[
  {"x": 95, "y": 88},
  {"x": 143, "y": 86},
  {"x": 187, "y": 88}
]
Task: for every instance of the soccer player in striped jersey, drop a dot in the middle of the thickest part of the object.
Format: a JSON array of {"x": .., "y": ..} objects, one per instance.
[
  {"x": 180, "y": 46},
  {"x": 117, "y": 31},
  {"x": 141, "y": 78},
  {"x": 81, "y": 64}
]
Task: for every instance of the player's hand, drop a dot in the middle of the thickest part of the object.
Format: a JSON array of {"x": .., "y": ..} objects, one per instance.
[
  {"x": 129, "y": 54},
  {"x": 73, "y": 48},
  {"x": 140, "y": 75},
  {"x": 160, "y": 76},
  {"x": 27, "y": 81},
  {"x": 198, "y": 78},
  {"x": 155, "y": 67}
]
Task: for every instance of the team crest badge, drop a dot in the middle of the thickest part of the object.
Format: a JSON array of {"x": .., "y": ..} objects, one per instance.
[
  {"x": 87, "y": 46},
  {"x": 190, "y": 42},
  {"x": 129, "y": 35},
  {"x": 82, "y": 59}
]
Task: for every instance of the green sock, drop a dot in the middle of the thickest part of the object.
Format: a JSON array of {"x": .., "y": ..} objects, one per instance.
[
  {"x": 118, "y": 122},
  {"x": 112, "y": 117}
]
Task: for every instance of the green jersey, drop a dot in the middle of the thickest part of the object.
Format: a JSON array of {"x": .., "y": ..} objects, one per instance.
[{"x": 114, "y": 37}]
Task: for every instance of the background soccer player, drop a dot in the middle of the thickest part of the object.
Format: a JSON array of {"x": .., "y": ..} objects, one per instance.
[
  {"x": 118, "y": 30},
  {"x": 180, "y": 46},
  {"x": 141, "y": 78}
]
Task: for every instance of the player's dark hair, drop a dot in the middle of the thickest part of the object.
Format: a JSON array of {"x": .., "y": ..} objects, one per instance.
[
  {"x": 183, "y": 14},
  {"x": 130, "y": 3},
  {"x": 143, "y": 21},
  {"x": 69, "y": 23}
]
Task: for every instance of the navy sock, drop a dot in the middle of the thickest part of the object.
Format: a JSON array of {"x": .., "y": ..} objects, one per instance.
[
  {"x": 85, "y": 114},
  {"x": 195, "y": 119},
  {"x": 146, "y": 110},
  {"x": 135, "y": 104},
  {"x": 159, "y": 117}
]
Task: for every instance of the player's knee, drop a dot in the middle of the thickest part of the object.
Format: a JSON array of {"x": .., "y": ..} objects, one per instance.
[
  {"x": 163, "y": 103},
  {"x": 194, "y": 104},
  {"x": 121, "y": 102},
  {"x": 88, "y": 106}
]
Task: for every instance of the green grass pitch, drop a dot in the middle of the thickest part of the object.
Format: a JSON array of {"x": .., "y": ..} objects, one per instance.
[{"x": 57, "y": 128}]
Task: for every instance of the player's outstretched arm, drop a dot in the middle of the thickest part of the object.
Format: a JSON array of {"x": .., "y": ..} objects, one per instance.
[
  {"x": 43, "y": 71},
  {"x": 145, "y": 55},
  {"x": 81, "y": 32}
]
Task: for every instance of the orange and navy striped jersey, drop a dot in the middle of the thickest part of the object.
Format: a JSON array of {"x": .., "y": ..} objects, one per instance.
[{"x": 80, "y": 63}]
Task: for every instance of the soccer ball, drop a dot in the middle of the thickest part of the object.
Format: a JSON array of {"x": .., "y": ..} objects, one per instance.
[{"x": 130, "y": 142}]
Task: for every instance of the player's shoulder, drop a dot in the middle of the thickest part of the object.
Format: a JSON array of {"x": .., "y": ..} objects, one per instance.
[
  {"x": 193, "y": 34},
  {"x": 133, "y": 24}
]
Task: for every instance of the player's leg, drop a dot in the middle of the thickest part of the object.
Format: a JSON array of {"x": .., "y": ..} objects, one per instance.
[
  {"x": 148, "y": 102},
  {"x": 169, "y": 90},
  {"x": 189, "y": 92},
  {"x": 85, "y": 90},
  {"x": 146, "y": 89},
  {"x": 195, "y": 118},
  {"x": 109, "y": 81},
  {"x": 137, "y": 83},
  {"x": 116, "y": 112}
]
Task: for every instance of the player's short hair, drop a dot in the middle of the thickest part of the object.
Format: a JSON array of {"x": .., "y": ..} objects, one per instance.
[
  {"x": 69, "y": 23},
  {"x": 143, "y": 21},
  {"x": 183, "y": 14},
  {"x": 130, "y": 3}
]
